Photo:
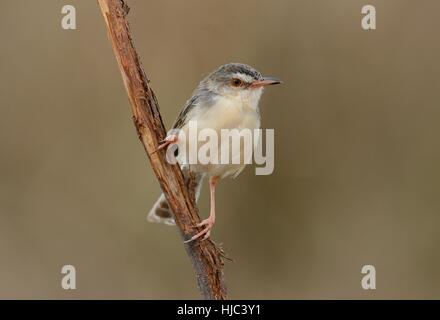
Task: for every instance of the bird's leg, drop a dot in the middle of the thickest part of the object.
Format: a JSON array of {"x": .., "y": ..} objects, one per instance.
[
  {"x": 209, "y": 223},
  {"x": 169, "y": 140}
]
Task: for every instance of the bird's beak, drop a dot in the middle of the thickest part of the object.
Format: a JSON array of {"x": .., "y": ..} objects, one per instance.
[{"x": 266, "y": 81}]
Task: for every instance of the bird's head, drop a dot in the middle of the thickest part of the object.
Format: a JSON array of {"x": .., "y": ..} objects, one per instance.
[{"x": 237, "y": 80}]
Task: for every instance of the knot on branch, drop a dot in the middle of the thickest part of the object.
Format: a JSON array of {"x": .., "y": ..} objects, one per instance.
[{"x": 125, "y": 8}]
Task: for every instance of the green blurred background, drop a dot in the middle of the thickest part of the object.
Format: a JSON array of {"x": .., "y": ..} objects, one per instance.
[{"x": 356, "y": 124}]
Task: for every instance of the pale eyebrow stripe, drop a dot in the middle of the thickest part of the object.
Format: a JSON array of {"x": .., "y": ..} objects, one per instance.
[{"x": 244, "y": 77}]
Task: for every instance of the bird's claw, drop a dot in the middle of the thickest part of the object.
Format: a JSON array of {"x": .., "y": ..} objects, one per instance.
[
  {"x": 209, "y": 223},
  {"x": 171, "y": 139}
]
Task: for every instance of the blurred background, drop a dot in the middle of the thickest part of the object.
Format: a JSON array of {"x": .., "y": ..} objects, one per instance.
[{"x": 356, "y": 177}]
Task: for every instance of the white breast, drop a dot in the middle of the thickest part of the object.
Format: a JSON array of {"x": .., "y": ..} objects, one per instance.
[
  {"x": 229, "y": 113},
  {"x": 237, "y": 112}
]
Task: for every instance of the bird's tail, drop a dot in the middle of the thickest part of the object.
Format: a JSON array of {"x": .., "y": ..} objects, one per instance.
[{"x": 161, "y": 211}]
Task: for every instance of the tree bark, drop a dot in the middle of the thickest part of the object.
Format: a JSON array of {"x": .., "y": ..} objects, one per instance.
[{"x": 206, "y": 257}]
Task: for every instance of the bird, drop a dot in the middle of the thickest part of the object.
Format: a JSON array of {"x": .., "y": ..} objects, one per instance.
[{"x": 227, "y": 98}]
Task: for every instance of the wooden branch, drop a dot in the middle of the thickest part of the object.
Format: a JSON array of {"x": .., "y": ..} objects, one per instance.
[{"x": 206, "y": 258}]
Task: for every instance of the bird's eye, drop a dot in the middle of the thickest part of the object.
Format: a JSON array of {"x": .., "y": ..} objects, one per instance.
[{"x": 236, "y": 82}]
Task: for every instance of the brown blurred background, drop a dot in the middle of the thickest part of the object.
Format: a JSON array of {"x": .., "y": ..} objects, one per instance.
[{"x": 356, "y": 124}]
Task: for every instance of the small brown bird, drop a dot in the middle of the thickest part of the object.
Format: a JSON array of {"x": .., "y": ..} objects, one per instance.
[{"x": 227, "y": 98}]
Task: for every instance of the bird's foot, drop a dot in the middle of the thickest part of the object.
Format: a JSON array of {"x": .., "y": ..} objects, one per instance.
[
  {"x": 169, "y": 140},
  {"x": 206, "y": 232}
]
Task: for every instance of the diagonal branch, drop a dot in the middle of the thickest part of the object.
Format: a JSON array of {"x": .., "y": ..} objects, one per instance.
[{"x": 206, "y": 258}]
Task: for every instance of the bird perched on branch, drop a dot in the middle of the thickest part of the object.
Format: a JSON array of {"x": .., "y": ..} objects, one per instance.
[{"x": 227, "y": 98}]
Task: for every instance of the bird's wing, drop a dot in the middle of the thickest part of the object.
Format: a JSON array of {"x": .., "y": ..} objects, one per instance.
[{"x": 182, "y": 117}]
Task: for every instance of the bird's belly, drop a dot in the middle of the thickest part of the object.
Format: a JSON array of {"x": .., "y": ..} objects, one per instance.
[{"x": 218, "y": 118}]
